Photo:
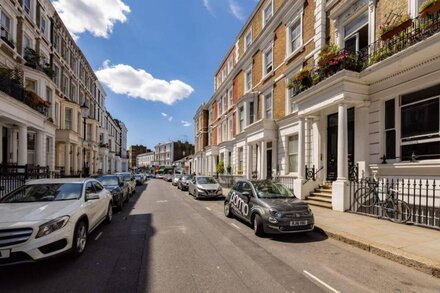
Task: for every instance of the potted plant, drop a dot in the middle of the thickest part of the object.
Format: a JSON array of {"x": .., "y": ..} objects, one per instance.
[
  {"x": 393, "y": 25},
  {"x": 326, "y": 54},
  {"x": 31, "y": 57},
  {"x": 429, "y": 7},
  {"x": 220, "y": 167},
  {"x": 301, "y": 81}
]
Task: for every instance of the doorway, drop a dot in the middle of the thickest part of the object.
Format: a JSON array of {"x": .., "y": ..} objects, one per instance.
[
  {"x": 332, "y": 143},
  {"x": 5, "y": 144}
]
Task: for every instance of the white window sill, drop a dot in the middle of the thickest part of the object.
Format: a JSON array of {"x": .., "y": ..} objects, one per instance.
[
  {"x": 267, "y": 76},
  {"x": 290, "y": 56}
]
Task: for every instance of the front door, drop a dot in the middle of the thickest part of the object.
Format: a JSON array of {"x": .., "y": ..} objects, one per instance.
[
  {"x": 332, "y": 147},
  {"x": 332, "y": 143},
  {"x": 5, "y": 144},
  {"x": 269, "y": 164}
]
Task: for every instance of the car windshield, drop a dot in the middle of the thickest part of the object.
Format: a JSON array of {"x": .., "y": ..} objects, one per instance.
[
  {"x": 177, "y": 176},
  {"x": 187, "y": 177},
  {"x": 206, "y": 180},
  {"x": 44, "y": 192},
  {"x": 126, "y": 176},
  {"x": 267, "y": 189},
  {"x": 285, "y": 191},
  {"x": 108, "y": 180}
]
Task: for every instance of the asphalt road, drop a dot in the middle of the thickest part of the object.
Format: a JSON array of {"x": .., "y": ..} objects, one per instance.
[{"x": 166, "y": 241}]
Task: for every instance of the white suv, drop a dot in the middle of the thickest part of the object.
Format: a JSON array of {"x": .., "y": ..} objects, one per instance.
[{"x": 47, "y": 217}]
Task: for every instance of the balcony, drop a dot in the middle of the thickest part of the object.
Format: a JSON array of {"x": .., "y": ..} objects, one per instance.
[
  {"x": 11, "y": 82},
  {"x": 35, "y": 61},
  {"x": 333, "y": 60}
]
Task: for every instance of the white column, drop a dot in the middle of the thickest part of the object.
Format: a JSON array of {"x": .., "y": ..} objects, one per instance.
[
  {"x": 316, "y": 147},
  {"x": 75, "y": 158},
  {"x": 67, "y": 158},
  {"x": 263, "y": 166},
  {"x": 361, "y": 132},
  {"x": 342, "y": 142},
  {"x": 22, "y": 146},
  {"x": 301, "y": 149},
  {"x": 340, "y": 198},
  {"x": 249, "y": 151},
  {"x": 40, "y": 138}
]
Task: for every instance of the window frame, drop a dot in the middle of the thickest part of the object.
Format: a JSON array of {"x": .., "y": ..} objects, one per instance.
[
  {"x": 246, "y": 44},
  {"x": 247, "y": 87},
  {"x": 355, "y": 34},
  {"x": 10, "y": 31},
  {"x": 26, "y": 9},
  {"x": 297, "y": 18},
  {"x": 70, "y": 110},
  {"x": 266, "y": 109},
  {"x": 265, "y": 19},
  {"x": 265, "y": 65},
  {"x": 289, "y": 169}
]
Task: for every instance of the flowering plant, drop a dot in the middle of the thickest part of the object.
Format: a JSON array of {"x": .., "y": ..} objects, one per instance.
[{"x": 393, "y": 21}]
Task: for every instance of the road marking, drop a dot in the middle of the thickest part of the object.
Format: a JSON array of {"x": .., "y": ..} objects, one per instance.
[
  {"x": 161, "y": 201},
  {"x": 322, "y": 283},
  {"x": 235, "y": 226},
  {"x": 209, "y": 209},
  {"x": 99, "y": 235}
]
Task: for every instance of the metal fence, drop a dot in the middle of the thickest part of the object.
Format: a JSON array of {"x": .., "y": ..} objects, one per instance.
[
  {"x": 422, "y": 196},
  {"x": 14, "y": 176},
  {"x": 286, "y": 180}
]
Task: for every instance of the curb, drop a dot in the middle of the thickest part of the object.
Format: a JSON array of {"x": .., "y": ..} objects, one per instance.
[{"x": 410, "y": 260}]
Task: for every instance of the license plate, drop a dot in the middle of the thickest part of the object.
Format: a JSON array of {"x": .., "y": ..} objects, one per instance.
[
  {"x": 298, "y": 223},
  {"x": 5, "y": 253}
]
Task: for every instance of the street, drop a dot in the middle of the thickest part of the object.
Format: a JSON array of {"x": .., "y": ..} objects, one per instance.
[{"x": 166, "y": 241}]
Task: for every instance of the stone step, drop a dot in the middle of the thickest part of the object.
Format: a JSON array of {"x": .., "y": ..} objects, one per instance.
[
  {"x": 323, "y": 190},
  {"x": 321, "y": 194},
  {"x": 318, "y": 203},
  {"x": 319, "y": 198}
]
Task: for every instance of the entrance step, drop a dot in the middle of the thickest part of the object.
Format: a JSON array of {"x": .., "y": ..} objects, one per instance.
[{"x": 321, "y": 196}]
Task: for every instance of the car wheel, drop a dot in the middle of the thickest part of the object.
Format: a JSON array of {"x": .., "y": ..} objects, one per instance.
[
  {"x": 79, "y": 241},
  {"x": 109, "y": 216},
  {"x": 258, "y": 226},
  {"x": 227, "y": 210},
  {"x": 196, "y": 195}
]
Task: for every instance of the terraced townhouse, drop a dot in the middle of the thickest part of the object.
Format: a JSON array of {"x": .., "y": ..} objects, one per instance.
[
  {"x": 318, "y": 94},
  {"x": 52, "y": 106}
]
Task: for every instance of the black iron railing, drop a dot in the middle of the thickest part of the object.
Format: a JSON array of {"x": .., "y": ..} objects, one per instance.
[
  {"x": 420, "y": 29},
  {"x": 422, "y": 196},
  {"x": 311, "y": 173},
  {"x": 14, "y": 176},
  {"x": 353, "y": 172}
]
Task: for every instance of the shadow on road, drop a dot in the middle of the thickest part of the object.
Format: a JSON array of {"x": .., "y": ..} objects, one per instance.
[{"x": 117, "y": 259}]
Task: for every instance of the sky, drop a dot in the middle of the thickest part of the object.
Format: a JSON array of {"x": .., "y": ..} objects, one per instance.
[{"x": 155, "y": 58}]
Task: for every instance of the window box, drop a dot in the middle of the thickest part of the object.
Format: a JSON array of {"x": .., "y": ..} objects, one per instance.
[
  {"x": 392, "y": 28},
  {"x": 429, "y": 7}
]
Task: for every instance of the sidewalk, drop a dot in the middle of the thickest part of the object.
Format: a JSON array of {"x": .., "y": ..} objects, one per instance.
[
  {"x": 413, "y": 246},
  {"x": 409, "y": 245}
]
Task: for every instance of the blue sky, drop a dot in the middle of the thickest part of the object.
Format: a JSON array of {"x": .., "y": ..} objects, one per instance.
[{"x": 165, "y": 52}]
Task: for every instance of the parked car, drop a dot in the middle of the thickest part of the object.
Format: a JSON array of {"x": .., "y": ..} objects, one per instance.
[
  {"x": 159, "y": 176},
  {"x": 168, "y": 177},
  {"x": 130, "y": 180},
  {"x": 118, "y": 188},
  {"x": 175, "y": 179},
  {"x": 268, "y": 207},
  {"x": 205, "y": 187},
  {"x": 184, "y": 182},
  {"x": 48, "y": 217},
  {"x": 140, "y": 179}
]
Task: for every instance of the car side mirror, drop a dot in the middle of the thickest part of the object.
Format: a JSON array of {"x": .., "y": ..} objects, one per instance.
[
  {"x": 92, "y": 196},
  {"x": 246, "y": 193}
]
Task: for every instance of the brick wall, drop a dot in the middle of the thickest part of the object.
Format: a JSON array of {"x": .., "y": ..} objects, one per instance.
[{"x": 383, "y": 8}]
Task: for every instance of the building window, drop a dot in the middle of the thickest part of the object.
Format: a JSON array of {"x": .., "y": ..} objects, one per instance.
[
  {"x": 390, "y": 130},
  {"x": 268, "y": 60},
  {"x": 43, "y": 26},
  {"x": 248, "y": 39},
  {"x": 219, "y": 107},
  {"x": 240, "y": 161},
  {"x": 27, "y": 43},
  {"x": 240, "y": 119},
  {"x": 248, "y": 79},
  {"x": 356, "y": 33},
  {"x": 420, "y": 124},
  {"x": 230, "y": 97},
  {"x": 219, "y": 134},
  {"x": 31, "y": 85},
  {"x": 230, "y": 130},
  {"x": 294, "y": 36},
  {"x": 27, "y": 7},
  {"x": 225, "y": 131},
  {"x": 56, "y": 41},
  {"x": 230, "y": 65},
  {"x": 68, "y": 119},
  {"x": 267, "y": 13},
  {"x": 225, "y": 103},
  {"x": 65, "y": 85},
  {"x": 268, "y": 105},
  {"x": 6, "y": 28},
  {"x": 292, "y": 149}
]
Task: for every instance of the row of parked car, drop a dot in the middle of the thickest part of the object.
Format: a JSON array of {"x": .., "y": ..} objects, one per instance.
[
  {"x": 269, "y": 207},
  {"x": 48, "y": 217}
]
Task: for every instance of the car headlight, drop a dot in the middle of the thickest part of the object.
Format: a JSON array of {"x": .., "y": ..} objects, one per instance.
[
  {"x": 200, "y": 189},
  {"x": 52, "y": 226},
  {"x": 273, "y": 220},
  {"x": 275, "y": 213}
]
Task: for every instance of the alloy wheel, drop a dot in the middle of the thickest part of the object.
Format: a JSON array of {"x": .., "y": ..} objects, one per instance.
[{"x": 81, "y": 240}]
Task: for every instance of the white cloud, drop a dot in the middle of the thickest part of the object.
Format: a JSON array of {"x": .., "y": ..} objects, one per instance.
[
  {"x": 97, "y": 17},
  {"x": 186, "y": 123},
  {"x": 236, "y": 9},
  {"x": 208, "y": 6},
  {"x": 126, "y": 80},
  {"x": 170, "y": 118},
  {"x": 164, "y": 114}
]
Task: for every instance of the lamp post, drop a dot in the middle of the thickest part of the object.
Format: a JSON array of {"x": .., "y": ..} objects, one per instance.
[{"x": 85, "y": 114}]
